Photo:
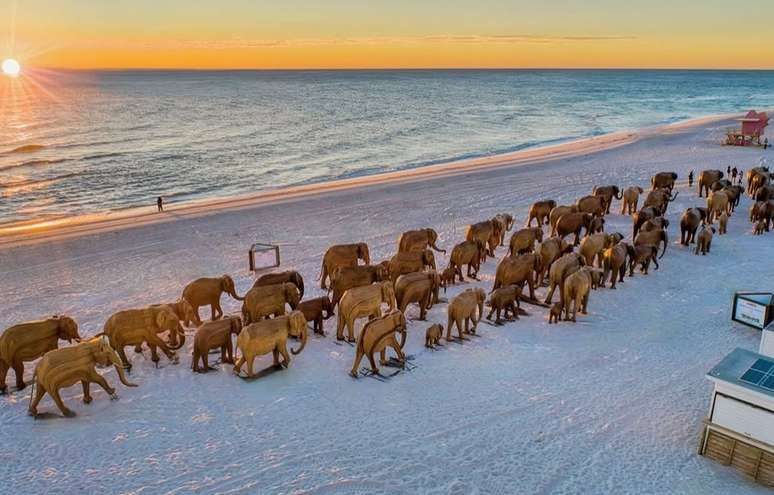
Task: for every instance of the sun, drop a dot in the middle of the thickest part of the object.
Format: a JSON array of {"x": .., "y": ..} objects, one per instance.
[{"x": 10, "y": 67}]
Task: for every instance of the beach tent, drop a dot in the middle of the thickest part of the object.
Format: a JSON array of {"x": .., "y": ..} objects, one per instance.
[{"x": 753, "y": 127}]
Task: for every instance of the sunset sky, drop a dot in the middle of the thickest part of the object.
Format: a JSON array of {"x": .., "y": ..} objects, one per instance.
[{"x": 387, "y": 34}]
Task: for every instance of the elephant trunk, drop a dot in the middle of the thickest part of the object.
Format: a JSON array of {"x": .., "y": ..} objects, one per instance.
[
  {"x": 119, "y": 366},
  {"x": 675, "y": 196},
  {"x": 181, "y": 334},
  {"x": 236, "y": 296},
  {"x": 402, "y": 337},
  {"x": 303, "y": 341}
]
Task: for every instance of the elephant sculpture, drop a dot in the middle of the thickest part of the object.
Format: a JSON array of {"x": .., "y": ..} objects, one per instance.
[
  {"x": 657, "y": 223},
  {"x": 762, "y": 211},
  {"x": 523, "y": 241},
  {"x": 185, "y": 314},
  {"x": 593, "y": 205},
  {"x": 377, "y": 335},
  {"x": 592, "y": 246},
  {"x": 704, "y": 240},
  {"x": 433, "y": 335},
  {"x": 614, "y": 262},
  {"x": 735, "y": 194},
  {"x": 560, "y": 269},
  {"x": 608, "y": 193},
  {"x": 642, "y": 255},
  {"x": 505, "y": 300},
  {"x": 540, "y": 212},
  {"x": 357, "y": 276},
  {"x": 631, "y": 199},
  {"x": 415, "y": 261},
  {"x": 265, "y": 336},
  {"x": 291, "y": 276},
  {"x": 419, "y": 240},
  {"x": 342, "y": 255},
  {"x": 142, "y": 326},
  {"x": 29, "y": 341},
  {"x": 467, "y": 253},
  {"x": 215, "y": 335},
  {"x": 763, "y": 193},
  {"x": 65, "y": 367},
  {"x": 717, "y": 203},
  {"x": 518, "y": 271},
  {"x": 597, "y": 225},
  {"x": 642, "y": 216},
  {"x": 654, "y": 238},
  {"x": 269, "y": 300},
  {"x": 757, "y": 177},
  {"x": 555, "y": 313},
  {"x": 549, "y": 251},
  {"x": 316, "y": 310},
  {"x": 689, "y": 224},
  {"x": 707, "y": 178},
  {"x": 421, "y": 288},
  {"x": 467, "y": 307},
  {"x": 663, "y": 179},
  {"x": 503, "y": 222},
  {"x": 557, "y": 212},
  {"x": 723, "y": 223},
  {"x": 659, "y": 199},
  {"x": 573, "y": 223},
  {"x": 759, "y": 228},
  {"x": 720, "y": 184},
  {"x": 361, "y": 302},
  {"x": 207, "y": 291},
  {"x": 576, "y": 289},
  {"x": 488, "y": 233}
]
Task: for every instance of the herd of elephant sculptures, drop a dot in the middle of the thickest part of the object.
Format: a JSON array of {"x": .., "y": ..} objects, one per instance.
[{"x": 408, "y": 277}]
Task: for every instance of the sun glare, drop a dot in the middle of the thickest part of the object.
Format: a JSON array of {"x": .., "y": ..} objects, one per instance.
[{"x": 10, "y": 67}]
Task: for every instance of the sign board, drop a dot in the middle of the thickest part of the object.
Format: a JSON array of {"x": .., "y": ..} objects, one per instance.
[
  {"x": 767, "y": 341},
  {"x": 753, "y": 309},
  {"x": 263, "y": 256}
]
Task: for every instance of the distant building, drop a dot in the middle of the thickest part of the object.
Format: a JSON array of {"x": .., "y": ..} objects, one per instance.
[{"x": 753, "y": 127}]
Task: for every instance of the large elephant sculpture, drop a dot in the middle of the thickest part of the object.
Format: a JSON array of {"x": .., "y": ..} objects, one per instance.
[
  {"x": 487, "y": 232},
  {"x": 467, "y": 253},
  {"x": 704, "y": 240},
  {"x": 593, "y": 205},
  {"x": 269, "y": 300},
  {"x": 29, "y": 341},
  {"x": 592, "y": 246},
  {"x": 206, "y": 292},
  {"x": 362, "y": 302},
  {"x": 653, "y": 237},
  {"x": 757, "y": 177},
  {"x": 503, "y": 221},
  {"x": 576, "y": 289},
  {"x": 642, "y": 216},
  {"x": 142, "y": 326},
  {"x": 614, "y": 262},
  {"x": 631, "y": 199},
  {"x": 265, "y": 336},
  {"x": 65, "y": 367},
  {"x": 540, "y": 211},
  {"x": 419, "y": 287},
  {"x": 291, "y": 276},
  {"x": 414, "y": 261},
  {"x": 549, "y": 251},
  {"x": 573, "y": 223},
  {"x": 377, "y": 335},
  {"x": 659, "y": 199},
  {"x": 560, "y": 270},
  {"x": 717, "y": 203},
  {"x": 663, "y": 179},
  {"x": 642, "y": 255},
  {"x": 357, "y": 276},
  {"x": 185, "y": 315},
  {"x": 523, "y": 241},
  {"x": 215, "y": 335},
  {"x": 342, "y": 255},
  {"x": 315, "y": 311},
  {"x": 608, "y": 193},
  {"x": 707, "y": 178},
  {"x": 558, "y": 212},
  {"x": 419, "y": 240},
  {"x": 689, "y": 224},
  {"x": 517, "y": 271},
  {"x": 467, "y": 307}
]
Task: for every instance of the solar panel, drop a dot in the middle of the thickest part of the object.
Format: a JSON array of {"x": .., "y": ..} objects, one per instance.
[{"x": 760, "y": 374}]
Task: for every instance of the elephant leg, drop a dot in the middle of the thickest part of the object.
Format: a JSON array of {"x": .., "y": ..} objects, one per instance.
[
  {"x": 86, "y": 393},
  {"x": 138, "y": 348},
  {"x": 238, "y": 365},
  {"x": 3, "y": 374},
  {"x": 458, "y": 322},
  {"x": 356, "y": 364},
  {"x": 205, "y": 362},
  {"x": 156, "y": 341},
  {"x": 655, "y": 263},
  {"x": 154, "y": 354},
  {"x": 285, "y": 356},
  {"x": 250, "y": 363},
  {"x": 100, "y": 380},
  {"x": 60, "y": 404},
  {"x": 584, "y": 307},
  {"x": 383, "y": 356},
  {"x": 351, "y": 330},
  {"x": 550, "y": 295},
  {"x": 39, "y": 393},
  {"x": 124, "y": 359},
  {"x": 18, "y": 369},
  {"x": 491, "y": 311},
  {"x": 229, "y": 352},
  {"x": 217, "y": 311}
]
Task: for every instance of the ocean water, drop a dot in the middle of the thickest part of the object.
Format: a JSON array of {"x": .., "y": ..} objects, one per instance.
[{"x": 84, "y": 142}]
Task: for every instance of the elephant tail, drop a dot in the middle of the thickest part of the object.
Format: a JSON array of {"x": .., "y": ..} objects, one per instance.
[
  {"x": 666, "y": 241},
  {"x": 303, "y": 342}
]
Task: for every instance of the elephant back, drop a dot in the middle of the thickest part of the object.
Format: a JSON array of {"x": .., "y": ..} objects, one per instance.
[{"x": 31, "y": 338}]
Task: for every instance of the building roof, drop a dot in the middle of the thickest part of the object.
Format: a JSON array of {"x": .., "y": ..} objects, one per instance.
[{"x": 746, "y": 369}]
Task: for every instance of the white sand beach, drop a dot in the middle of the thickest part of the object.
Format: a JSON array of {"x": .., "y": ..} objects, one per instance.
[{"x": 611, "y": 404}]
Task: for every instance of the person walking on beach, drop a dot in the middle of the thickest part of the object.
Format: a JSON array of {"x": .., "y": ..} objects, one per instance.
[
  {"x": 690, "y": 178},
  {"x": 728, "y": 171},
  {"x": 733, "y": 175},
  {"x": 765, "y": 143},
  {"x": 741, "y": 174},
  {"x": 160, "y": 204}
]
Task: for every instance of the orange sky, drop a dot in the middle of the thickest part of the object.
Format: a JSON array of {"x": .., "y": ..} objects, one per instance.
[{"x": 379, "y": 34}]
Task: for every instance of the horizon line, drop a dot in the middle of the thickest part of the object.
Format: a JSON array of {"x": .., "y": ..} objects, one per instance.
[{"x": 352, "y": 69}]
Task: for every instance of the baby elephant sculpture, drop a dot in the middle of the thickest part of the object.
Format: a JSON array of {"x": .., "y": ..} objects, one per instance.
[
  {"x": 504, "y": 300},
  {"x": 67, "y": 366},
  {"x": 377, "y": 335},
  {"x": 214, "y": 335},
  {"x": 555, "y": 315},
  {"x": 316, "y": 310},
  {"x": 28, "y": 341},
  {"x": 467, "y": 306},
  {"x": 207, "y": 292},
  {"x": 268, "y": 336},
  {"x": 361, "y": 302},
  {"x": 269, "y": 300},
  {"x": 704, "y": 240},
  {"x": 433, "y": 335},
  {"x": 138, "y": 326}
]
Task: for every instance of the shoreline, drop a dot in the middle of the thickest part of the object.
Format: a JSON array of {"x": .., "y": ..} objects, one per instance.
[{"x": 33, "y": 232}]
